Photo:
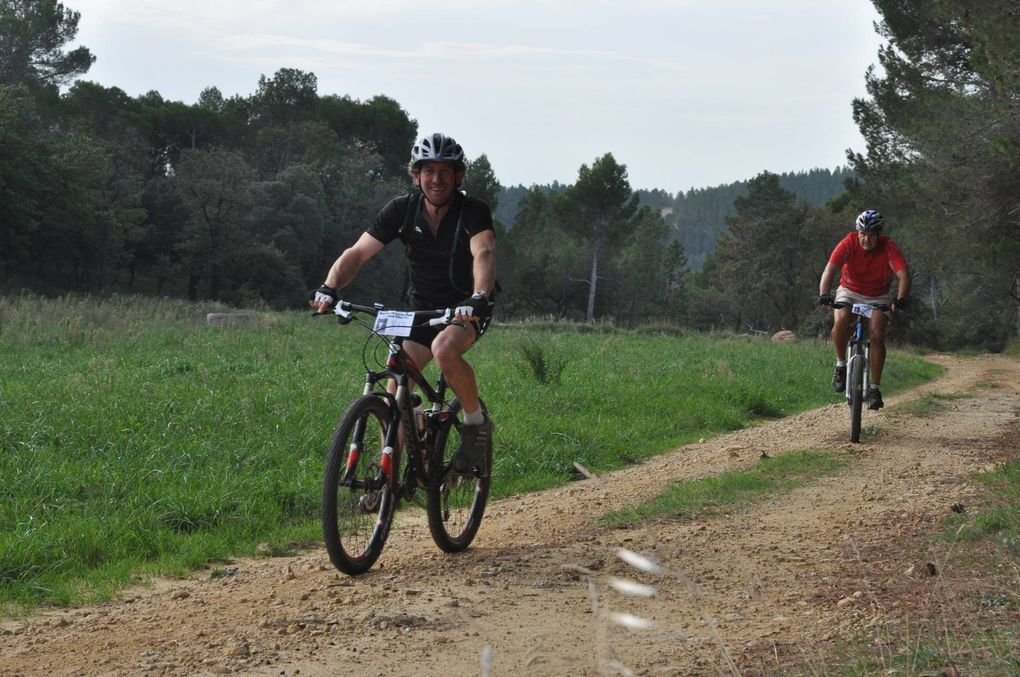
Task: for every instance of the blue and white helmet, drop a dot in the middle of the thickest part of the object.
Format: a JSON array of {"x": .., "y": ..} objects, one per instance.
[
  {"x": 869, "y": 221},
  {"x": 437, "y": 148}
]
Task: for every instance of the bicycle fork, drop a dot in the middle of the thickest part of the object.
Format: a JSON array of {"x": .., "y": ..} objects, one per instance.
[
  {"x": 392, "y": 440},
  {"x": 853, "y": 357},
  {"x": 354, "y": 457}
]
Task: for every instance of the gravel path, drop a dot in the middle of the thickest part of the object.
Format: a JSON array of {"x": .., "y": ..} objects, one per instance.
[{"x": 534, "y": 595}]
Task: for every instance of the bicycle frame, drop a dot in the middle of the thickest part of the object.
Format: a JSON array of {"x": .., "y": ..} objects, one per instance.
[
  {"x": 858, "y": 348},
  {"x": 858, "y": 368},
  {"x": 402, "y": 371}
]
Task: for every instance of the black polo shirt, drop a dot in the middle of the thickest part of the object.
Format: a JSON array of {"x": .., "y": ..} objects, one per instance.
[{"x": 440, "y": 266}]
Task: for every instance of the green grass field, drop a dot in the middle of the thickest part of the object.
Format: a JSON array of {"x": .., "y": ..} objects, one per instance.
[
  {"x": 708, "y": 496},
  {"x": 135, "y": 439}
]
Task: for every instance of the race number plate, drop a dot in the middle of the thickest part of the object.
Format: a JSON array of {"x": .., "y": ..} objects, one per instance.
[
  {"x": 394, "y": 323},
  {"x": 862, "y": 309}
]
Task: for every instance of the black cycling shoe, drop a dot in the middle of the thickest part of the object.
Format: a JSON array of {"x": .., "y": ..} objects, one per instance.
[
  {"x": 875, "y": 399},
  {"x": 475, "y": 441},
  {"x": 839, "y": 379}
]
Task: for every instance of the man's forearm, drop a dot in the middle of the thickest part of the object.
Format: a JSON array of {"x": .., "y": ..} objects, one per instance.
[
  {"x": 343, "y": 270},
  {"x": 825, "y": 284},
  {"x": 904, "y": 283}
]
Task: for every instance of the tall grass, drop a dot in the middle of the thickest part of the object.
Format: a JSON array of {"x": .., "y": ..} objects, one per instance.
[
  {"x": 623, "y": 396},
  {"x": 135, "y": 438}
]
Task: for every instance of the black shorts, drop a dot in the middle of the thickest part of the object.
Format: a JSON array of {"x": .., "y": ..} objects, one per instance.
[{"x": 422, "y": 332}]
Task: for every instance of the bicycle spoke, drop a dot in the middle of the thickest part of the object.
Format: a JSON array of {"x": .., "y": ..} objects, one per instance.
[
  {"x": 456, "y": 502},
  {"x": 357, "y": 507}
]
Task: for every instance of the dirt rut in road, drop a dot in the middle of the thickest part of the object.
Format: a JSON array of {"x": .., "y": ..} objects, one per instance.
[{"x": 533, "y": 595}]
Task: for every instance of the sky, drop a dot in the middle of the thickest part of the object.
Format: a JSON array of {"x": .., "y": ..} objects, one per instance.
[{"x": 685, "y": 93}]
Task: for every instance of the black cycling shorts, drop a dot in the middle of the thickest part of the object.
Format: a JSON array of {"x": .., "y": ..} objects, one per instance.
[{"x": 422, "y": 332}]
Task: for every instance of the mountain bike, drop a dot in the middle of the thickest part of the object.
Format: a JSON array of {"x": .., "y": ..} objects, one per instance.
[
  {"x": 857, "y": 367},
  {"x": 387, "y": 446}
]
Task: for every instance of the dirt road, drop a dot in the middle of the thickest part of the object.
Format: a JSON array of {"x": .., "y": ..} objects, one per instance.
[{"x": 740, "y": 592}]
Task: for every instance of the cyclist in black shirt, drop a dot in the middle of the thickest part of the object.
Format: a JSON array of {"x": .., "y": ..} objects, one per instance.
[{"x": 451, "y": 259}]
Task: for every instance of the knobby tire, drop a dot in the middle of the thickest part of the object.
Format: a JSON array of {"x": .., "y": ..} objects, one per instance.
[
  {"x": 856, "y": 397},
  {"x": 356, "y": 521}
]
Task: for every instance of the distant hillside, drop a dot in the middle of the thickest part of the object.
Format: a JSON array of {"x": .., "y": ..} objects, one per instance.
[
  {"x": 698, "y": 216},
  {"x": 506, "y": 210}
]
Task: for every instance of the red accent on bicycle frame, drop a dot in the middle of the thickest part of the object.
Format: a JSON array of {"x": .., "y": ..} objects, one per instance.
[
  {"x": 393, "y": 361},
  {"x": 386, "y": 462},
  {"x": 352, "y": 457}
]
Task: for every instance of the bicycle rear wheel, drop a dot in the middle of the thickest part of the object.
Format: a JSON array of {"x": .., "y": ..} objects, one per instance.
[
  {"x": 455, "y": 502},
  {"x": 357, "y": 504},
  {"x": 856, "y": 377}
]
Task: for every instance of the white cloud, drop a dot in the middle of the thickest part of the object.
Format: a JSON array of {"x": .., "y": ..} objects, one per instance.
[{"x": 690, "y": 91}]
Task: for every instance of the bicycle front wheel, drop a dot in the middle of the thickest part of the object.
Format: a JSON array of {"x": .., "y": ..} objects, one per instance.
[
  {"x": 357, "y": 498},
  {"x": 456, "y": 502},
  {"x": 856, "y": 377}
]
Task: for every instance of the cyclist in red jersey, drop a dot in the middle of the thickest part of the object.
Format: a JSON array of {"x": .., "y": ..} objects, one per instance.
[{"x": 867, "y": 261}]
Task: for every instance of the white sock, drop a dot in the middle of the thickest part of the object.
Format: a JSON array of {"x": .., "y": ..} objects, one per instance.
[
  {"x": 840, "y": 363},
  {"x": 474, "y": 418}
]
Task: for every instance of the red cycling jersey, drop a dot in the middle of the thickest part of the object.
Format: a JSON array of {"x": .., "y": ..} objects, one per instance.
[{"x": 867, "y": 273}]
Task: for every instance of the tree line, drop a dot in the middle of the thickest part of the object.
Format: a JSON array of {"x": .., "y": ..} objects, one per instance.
[
  {"x": 942, "y": 129},
  {"x": 697, "y": 216},
  {"x": 241, "y": 199},
  {"x": 248, "y": 199}
]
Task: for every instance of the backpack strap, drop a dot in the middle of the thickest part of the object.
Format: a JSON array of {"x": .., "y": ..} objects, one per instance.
[
  {"x": 453, "y": 253},
  {"x": 453, "y": 249},
  {"x": 411, "y": 215}
]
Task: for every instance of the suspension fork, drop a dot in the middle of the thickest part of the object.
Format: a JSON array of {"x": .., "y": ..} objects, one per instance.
[
  {"x": 391, "y": 440},
  {"x": 390, "y": 460},
  {"x": 857, "y": 339},
  {"x": 867, "y": 359},
  {"x": 357, "y": 443}
]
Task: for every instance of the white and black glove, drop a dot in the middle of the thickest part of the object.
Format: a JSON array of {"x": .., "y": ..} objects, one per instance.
[
  {"x": 325, "y": 295},
  {"x": 478, "y": 306}
]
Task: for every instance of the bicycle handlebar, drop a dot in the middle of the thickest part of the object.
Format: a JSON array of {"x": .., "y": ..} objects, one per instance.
[
  {"x": 344, "y": 309},
  {"x": 876, "y": 306}
]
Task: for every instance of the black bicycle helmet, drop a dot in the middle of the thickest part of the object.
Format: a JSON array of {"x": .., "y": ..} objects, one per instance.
[
  {"x": 869, "y": 221},
  {"x": 437, "y": 148}
]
